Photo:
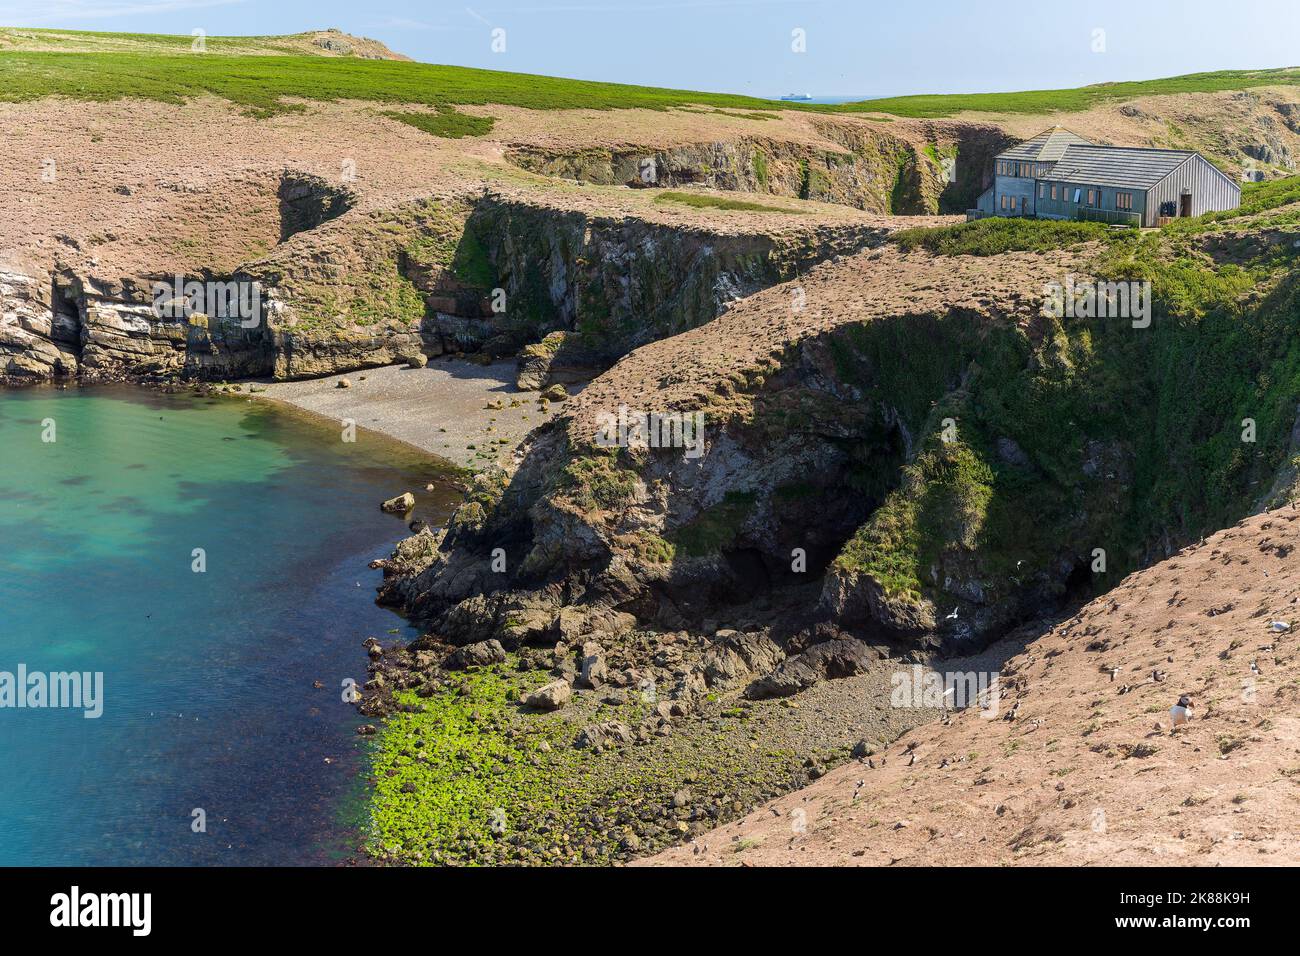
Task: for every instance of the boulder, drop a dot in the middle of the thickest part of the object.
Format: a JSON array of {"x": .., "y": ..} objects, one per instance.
[
  {"x": 418, "y": 360},
  {"x": 482, "y": 654},
  {"x": 842, "y": 657},
  {"x": 571, "y": 623},
  {"x": 550, "y": 696},
  {"x": 400, "y": 505},
  {"x": 609, "y": 734},
  {"x": 595, "y": 672},
  {"x": 736, "y": 656},
  {"x": 535, "y": 362}
]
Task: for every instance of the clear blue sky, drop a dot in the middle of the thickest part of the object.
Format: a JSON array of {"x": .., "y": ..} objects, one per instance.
[{"x": 854, "y": 47}]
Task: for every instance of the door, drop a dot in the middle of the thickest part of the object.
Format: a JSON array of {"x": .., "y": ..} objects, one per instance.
[{"x": 1185, "y": 205}]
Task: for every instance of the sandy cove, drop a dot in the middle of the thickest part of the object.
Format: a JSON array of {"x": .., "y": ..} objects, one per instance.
[{"x": 445, "y": 409}]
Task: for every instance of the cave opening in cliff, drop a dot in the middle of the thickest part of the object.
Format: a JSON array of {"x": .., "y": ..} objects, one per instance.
[
  {"x": 307, "y": 202},
  {"x": 68, "y": 312}
]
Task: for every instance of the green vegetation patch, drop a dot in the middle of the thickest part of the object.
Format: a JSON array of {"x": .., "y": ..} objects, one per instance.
[
  {"x": 944, "y": 504},
  {"x": 446, "y": 776},
  {"x": 1076, "y": 434},
  {"x": 162, "y": 68},
  {"x": 446, "y": 122},
  {"x": 599, "y": 482},
  {"x": 464, "y": 776},
  {"x": 1077, "y": 100},
  {"x": 705, "y": 201},
  {"x": 994, "y": 236},
  {"x": 715, "y": 529},
  {"x": 1256, "y": 198},
  {"x": 262, "y": 85}
]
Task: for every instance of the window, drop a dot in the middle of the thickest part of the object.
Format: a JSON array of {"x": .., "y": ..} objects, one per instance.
[
  {"x": 1092, "y": 197},
  {"x": 1042, "y": 190},
  {"x": 1078, "y": 194},
  {"x": 1123, "y": 200},
  {"x": 1003, "y": 203},
  {"x": 1053, "y": 190}
]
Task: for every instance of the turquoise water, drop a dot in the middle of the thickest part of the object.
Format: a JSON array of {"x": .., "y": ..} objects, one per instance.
[{"x": 208, "y": 677}]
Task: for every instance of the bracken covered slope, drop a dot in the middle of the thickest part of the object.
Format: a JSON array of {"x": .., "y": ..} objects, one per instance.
[{"x": 1078, "y": 765}]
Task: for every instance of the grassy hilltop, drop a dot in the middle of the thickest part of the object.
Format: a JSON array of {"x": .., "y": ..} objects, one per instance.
[{"x": 261, "y": 73}]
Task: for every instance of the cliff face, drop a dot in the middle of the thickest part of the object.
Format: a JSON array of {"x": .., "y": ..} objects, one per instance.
[
  {"x": 344, "y": 292},
  {"x": 941, "y": 168},
  {"x": 797, "y": 452},
  {"x": 618, "y": 283},
  {"x": 903, "y": 460}
]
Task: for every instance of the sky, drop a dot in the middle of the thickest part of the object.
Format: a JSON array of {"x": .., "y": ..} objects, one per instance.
[{"x": 851, "y": 48}]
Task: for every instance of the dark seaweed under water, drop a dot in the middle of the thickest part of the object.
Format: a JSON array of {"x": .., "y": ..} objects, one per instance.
[{"x": 208, "y": 677}]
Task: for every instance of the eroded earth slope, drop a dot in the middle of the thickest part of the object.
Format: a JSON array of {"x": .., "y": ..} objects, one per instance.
[{"x": 1078, "y": 764}]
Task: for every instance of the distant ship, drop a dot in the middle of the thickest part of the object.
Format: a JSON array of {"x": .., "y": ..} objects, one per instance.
[{"x": 797, "y": 96}]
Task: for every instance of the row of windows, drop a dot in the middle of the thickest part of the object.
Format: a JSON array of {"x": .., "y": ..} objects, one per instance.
[
  {"x": 1009, "y": 203},
  {"x": 1007, "y": 167},
  {"x": 1078, "y": 194}
]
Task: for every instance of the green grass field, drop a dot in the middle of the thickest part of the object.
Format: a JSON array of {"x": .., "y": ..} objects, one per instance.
[
  {"x": 1075, "y": 100},
  {"x": 446, "y": 122},
  {"x": 162, "y": 68},
  {"x": 705, "y": 201},
  {"x": 261, "y": 84}
]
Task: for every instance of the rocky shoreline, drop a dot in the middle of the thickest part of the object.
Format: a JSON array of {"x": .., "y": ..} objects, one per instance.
[{"x": 596, "y": 753}]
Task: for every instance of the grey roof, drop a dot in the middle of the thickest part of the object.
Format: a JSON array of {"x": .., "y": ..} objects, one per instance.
[
  {"x": 1047, "y": 147},
  {"x": 1117, "y": 165}
]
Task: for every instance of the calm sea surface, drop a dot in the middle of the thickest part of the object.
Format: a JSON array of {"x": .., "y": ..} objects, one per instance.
[{"x": 208, "y": 698}]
